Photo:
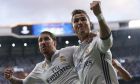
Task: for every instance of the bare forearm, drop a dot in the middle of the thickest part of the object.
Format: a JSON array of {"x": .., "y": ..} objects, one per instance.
[
  {"x": 15, "y": 80},
  {"x": 123, "y": 73}
]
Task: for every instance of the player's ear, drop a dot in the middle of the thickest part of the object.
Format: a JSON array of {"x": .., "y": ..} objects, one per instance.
[
  {"x": 55, "y": 44},
  {"x": 91, "y": 25},
  {"x": 72, "y": 25}
]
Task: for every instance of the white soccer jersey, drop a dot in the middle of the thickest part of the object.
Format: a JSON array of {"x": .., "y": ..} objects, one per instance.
[
  {"x": 93, "y": 62},
  {"x": 59, "y": 71}
]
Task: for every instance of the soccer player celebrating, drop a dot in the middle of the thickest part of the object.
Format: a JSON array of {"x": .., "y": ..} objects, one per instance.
[
  {"x": 57, "y": 68},
  {"x": 93, "y": 58}
]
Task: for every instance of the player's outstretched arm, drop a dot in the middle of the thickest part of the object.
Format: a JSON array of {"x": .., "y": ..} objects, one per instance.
[
  {"x": 8, "y": 74},
  {"x": 121, "y": 71}
]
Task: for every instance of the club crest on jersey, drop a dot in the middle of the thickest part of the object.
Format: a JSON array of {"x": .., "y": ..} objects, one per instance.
[
  {"x": 87, "y": 51},
  {"x": 62, "y": 59}
]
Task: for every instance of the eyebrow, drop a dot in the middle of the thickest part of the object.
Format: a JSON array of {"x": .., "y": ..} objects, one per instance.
[
  {"x": 80, "y": 17},
  {"x": 48, "y": 38}
]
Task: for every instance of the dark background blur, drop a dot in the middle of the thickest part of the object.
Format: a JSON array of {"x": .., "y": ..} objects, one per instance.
[{"x": 22, "y": 54}]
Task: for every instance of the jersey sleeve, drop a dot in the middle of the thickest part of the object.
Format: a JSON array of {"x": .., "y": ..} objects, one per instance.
[
  {"x": 28, "y": 79},
  {"x": 105, "y": 45},
  {"x": 69, "y": 52}
]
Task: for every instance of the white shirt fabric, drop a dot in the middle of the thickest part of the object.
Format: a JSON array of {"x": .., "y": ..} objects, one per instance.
[
  {"x": 93, "y": 62},
  {"x": 59, "y": 71}
]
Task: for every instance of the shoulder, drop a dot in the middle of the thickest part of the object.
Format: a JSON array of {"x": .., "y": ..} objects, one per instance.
[
  {"x": 68, "y": 51},
  {"x": 38, "y": 65},
  {"x": 69, "y": 48}
]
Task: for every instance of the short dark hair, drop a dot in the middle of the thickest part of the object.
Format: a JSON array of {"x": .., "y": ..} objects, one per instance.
[
  {"x": 79, "y": 11},
  {"x": 49, "y": 33}
]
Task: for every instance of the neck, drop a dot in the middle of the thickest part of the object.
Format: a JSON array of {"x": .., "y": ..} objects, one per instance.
[
  {"x": 87, "y": 38},
  {"x": 83, "y": 37},
  {"x": 48, "y": 56}
]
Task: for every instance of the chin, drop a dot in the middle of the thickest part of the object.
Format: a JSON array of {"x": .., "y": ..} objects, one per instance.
[
  {"x": 43, "y": 52},
  {"x": 83, "y": 33}
]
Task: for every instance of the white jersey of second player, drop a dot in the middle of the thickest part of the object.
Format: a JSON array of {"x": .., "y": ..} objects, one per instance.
[
  {"x": 93, "y": 62},
  {"x": 59, "y": 71}
]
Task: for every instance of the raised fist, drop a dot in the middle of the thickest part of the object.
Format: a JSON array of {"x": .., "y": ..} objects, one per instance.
[
  {"x": 8, "y": 73},
  {"x": 95, "y": 7}
]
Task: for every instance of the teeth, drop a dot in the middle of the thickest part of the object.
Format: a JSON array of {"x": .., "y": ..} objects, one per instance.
[
  {"x": 43, "y": 46},
  {"x": 79, "y": 25}
]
